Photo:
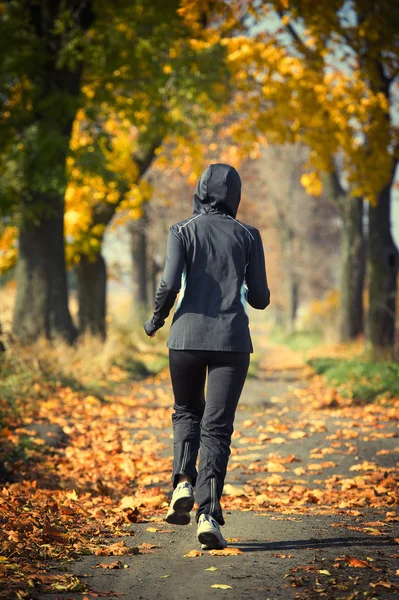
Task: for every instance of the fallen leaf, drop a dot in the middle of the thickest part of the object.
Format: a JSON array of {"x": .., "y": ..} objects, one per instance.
[
  {"x": 147, "y": 546},
  {"x": 233, "y": 490},
  {"x": 324, "y": 572},
  {"x": 355, "y": 562},
  {"x": 226, "y": 552},
  {"x": 193, "y": 553},
  {"x": 55, "y": 534},
  {"x": 385, "y": 584},
  {"x": 221, "y": 586},
  {"x": 113, "y": 565},
  {"x": 248, "y": 423},
  {"x": 297, "y": 435},
  {"x": 212, "y": 569},
  {"x": 275, "y": 467},
  {"x": 117, "y": 549}
]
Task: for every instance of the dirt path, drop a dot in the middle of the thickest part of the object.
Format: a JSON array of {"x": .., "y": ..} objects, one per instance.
[{"x": 310, "y": 502}]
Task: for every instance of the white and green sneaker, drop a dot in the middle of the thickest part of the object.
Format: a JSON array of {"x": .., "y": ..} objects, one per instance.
[
  {"x": 181, "y": 504},
  {"x": 209, "y": 534}
]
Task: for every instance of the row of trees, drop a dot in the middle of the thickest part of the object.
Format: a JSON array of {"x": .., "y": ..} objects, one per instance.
[{"x": 92, "y": 94}]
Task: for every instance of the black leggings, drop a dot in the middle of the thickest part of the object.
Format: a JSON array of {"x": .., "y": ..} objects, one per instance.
[{"x": 205, "y": 425}]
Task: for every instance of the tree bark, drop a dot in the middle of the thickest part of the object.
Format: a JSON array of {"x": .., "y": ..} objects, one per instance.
[
  {"x": 41, "y": 307},
  {"x": 353, "y": 256},
  {"x": 138, "y": 230},
  {"x": 92, "y": 293},
  {"x": 292, "y": 302},
  {"x": 353, "y": 261},
  {"x": 383, "y": 264}
]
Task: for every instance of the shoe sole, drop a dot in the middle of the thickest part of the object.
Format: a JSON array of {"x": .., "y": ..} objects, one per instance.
[
  {"x": 181, "y": 511},
  {"x": 210, "y": 541}
]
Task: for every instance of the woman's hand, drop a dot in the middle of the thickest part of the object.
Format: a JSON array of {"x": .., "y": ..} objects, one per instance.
[{"x": 150, "y": 328}]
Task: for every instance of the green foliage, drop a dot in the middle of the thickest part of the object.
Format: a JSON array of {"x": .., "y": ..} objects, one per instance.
[
  {"x": 359, "y": 379},
  {"x": 297, "y": 340},
  {"x": 253, "y": 370},
  {"x": 134, "y": 58}
]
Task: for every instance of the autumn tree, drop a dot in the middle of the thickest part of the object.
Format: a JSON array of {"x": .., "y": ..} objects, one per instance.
[
  {"x": 325, "y": 75},
  {"x": 181, "y": 79},
  {"x": 139, "y": 58},
  {"x": 40, "y": 77}
]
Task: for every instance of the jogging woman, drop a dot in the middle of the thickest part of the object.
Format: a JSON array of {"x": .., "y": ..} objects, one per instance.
[{"x": 217, "y": 264}]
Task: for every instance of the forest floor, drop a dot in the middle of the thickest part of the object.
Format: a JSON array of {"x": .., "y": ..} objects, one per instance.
[{"x": 310, "y": 501}]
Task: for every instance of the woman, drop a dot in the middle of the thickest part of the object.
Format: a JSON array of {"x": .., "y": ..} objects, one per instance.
[{"x": 218, "y": 262}]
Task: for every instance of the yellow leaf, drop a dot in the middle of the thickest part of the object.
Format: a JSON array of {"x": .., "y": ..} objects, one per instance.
[
  {"x": 275, "y": 467},
  {"x": 221, "y": 586},
  {"x": 212, "y": 569},
  {"x": 233, "y": 490},
  {"x": 226, "y": 552}
]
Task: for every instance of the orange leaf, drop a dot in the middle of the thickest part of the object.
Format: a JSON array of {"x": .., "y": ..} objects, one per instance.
[
  {"x": 193, "y": 554},
  {"x": 355, "y": 562},
  {"x": 226, "y": 552},
  {"x": 112, "y": 565}
]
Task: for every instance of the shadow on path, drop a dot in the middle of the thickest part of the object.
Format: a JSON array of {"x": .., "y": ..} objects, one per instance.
[{"x": 313, "y": 543}]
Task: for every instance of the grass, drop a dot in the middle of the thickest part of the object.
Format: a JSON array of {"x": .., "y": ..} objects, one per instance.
[
  {"x": 297, "y": 340},
  {"x": 359, "y": 379}
]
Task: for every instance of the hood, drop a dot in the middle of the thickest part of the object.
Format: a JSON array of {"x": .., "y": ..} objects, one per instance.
[{"x": 218, "y": 189}]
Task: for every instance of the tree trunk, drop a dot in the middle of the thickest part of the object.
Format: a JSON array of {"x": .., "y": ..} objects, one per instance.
[
  {"x": 92, "y": 293},
  {"x": 353, "y": 260},
  {"x": 292, "y": 302},
  {"x": 352, "y": 269},
  {"x": 383, "y": 263},
  {"x": 41, "y": 306},
  {"x": 138, "y": 232},
  {"x": 42, "y": 296}
]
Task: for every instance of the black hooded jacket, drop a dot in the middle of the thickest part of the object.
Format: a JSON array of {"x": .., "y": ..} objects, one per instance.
[{"x": 217, "y": 264}]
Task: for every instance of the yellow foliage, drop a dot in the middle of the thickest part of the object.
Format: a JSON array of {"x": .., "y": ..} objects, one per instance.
[
  {"x": 87, "y": 192},
  {"x": 319, "y": 101},
  {"x": 324, "y": 307},
  {"x": 312, "y": 183},
  {"x": 8, "y": 248}
]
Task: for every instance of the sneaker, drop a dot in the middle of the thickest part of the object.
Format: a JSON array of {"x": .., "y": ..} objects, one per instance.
[
  {"x": 209, "y": 534},
  {"x": 181, "y": 504}
]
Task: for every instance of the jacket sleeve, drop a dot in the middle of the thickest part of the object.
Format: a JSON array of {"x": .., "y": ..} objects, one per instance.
[
  {"x": 257, "y": 292},
  {"x": 170, "y": 283}
]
